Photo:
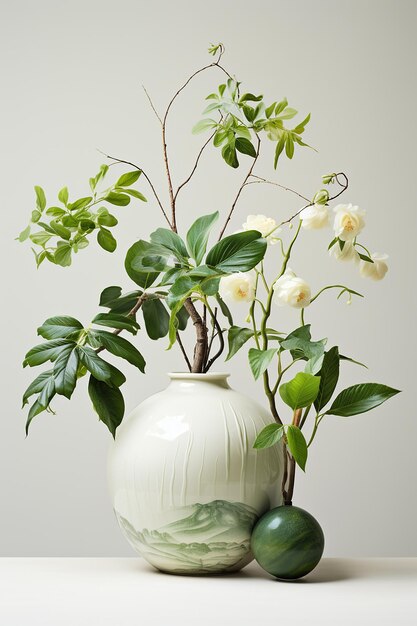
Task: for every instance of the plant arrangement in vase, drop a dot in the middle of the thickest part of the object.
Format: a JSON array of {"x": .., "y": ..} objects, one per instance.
[{"x": 198, "y": 517}]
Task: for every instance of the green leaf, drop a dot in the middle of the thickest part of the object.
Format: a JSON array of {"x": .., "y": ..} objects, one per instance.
[
  {"x": 224, "y": 309},
  {"x": 59, "y": 327},
  {"x": 301, "y": 391},
  {"x": 79, "y": 204},
  {"x": 24, "y": 234},
  {"x": 329, "y": 375},
  {"x": 97, "y": 366},
  {"x": 128, "y": 179},
  {"x": 259, "y": 360},
  {"x": 288, "y": 113},
  {"x": 118, "y": 199},
  {"x": 106, "y": 240},
  {"x": 36, "y": 216},
  {"x": 365, "y": 257},
  {"x": 43, "y": 352},
  {"x": 237, "y": 337},
  {"x": 300, "y": 128},
  {"x": 182, "y": 318},
  {"x": 109, "y": 295},
  {"x": 300, "y": 345},
  {"x": 63, "y": 195},
  {"x": 60, "y": 230},
  {"x": 360, "y": 398},
  {"x": 108, "y": 403},
  {"x": 62, "y": 255},
  {"x": 342, "y": 357},
  {"x": 281, "y": 106},
  {"x": 142, "y": 275},
  {"x": 65, "y": 372},
  {"x": 171, "y": 242},
  {"x": 37, "y": 385},
  {"x": 40, "y": 238},
  {"x": 121, "y": 347},
  {"x": 106, "y": 220},
  {"x": 289, "y": 147},
  {"x": 122, "y": 304},
  {"x": 136, "y": 194},
  {"x": 297, "y": 445},
  {"x": 156, "y": 318},
  {"x": 269, "y": 436},
  {"x": 229, "y": 154},
  {"x": 237, "y": 253},
  {"x": 203, "y": 125},
  {"x": 40, "y": 198},
  {"x": 279, "y": 149},
  {"x": 269, "y": 110},
  {"x": 115, "y": 320},
  {"x": 245, "y": 146},
  {"x": 198, "y": 234},
  {"x": 183, "y": 286}
]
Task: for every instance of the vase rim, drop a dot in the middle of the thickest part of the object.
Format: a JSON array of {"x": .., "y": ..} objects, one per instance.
[{"x": 208, "y": 376}]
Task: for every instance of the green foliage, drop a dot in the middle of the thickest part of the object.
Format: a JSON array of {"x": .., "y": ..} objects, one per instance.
[
  {"x": 259, "y": 360},
  {"x": 329, "y": 375},
  {"x": 269, "y": 436},
  {"x": 198, "y": 234},
  {"x": 237, "y": 253},
  {"x": 156, "y": 318},
  {"x": 65, "y": 230},
  {"x": 360, "y": 398},
  {"x": 108, "y": 403},
  {"x": 237, "y": 337},
  {"x": 301, "y": 391},
  {"x": 297, "y": 445}
]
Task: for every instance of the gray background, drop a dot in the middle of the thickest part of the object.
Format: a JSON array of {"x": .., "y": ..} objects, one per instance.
[{"x": 71, "y": 78}]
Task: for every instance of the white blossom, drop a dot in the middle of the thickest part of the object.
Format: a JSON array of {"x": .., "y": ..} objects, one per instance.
[
  {"x": 349, "y": 252},
  {"x": 238, "y": 287},
  {"x": 264, "y": 225},
  {"x": 292, "y": 290},
  {"x": 348, "y": 221},
  {"x": 315, "y": 216},
  {"x": 375, "y": 270}
]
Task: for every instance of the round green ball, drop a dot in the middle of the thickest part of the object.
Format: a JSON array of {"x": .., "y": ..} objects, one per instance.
[{"x": 287, "y": 542}]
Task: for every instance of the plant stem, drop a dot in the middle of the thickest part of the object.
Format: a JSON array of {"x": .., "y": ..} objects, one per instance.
[{"x": 201, "y": 345}]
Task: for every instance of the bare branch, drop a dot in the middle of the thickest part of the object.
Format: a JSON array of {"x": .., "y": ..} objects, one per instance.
[
  {"x": 187, "y": 360},
  {"x": 152, "y": 104},
  {"x": 261, "y": 180},
  {"x": 187, "y": 180}
]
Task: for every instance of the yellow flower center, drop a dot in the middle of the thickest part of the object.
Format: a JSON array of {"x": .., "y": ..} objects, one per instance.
[
  {"x": 348, "y": 224},
  {"x": 241, "y": 292},
  {"x": 301, "y": 296}
]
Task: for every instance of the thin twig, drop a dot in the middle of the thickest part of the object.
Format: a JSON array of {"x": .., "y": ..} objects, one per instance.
[
  {"x": 248, "y": 175},
  {"x": 221, "y": 346},
  {"x": 261, "y": 180},
  {"x": 152, "y": 104},
  {"x": 187, "y": 180},
  {"x": 145, "y": 175},
  {"x": 132, "y": 313},
  {"x": 187, "y": 360}
]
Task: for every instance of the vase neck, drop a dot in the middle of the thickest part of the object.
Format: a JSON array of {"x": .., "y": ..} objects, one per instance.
[{"x": 187, "y": 380}]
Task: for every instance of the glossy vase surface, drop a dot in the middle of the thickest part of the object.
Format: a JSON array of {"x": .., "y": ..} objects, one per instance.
[{"x": 186, "y": 483}]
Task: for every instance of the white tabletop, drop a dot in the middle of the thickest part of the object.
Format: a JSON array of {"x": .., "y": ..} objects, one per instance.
[{"x": 121, "y": 592}]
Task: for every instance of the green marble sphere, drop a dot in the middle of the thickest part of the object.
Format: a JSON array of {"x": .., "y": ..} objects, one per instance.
[{"x": 287, "y": 542}]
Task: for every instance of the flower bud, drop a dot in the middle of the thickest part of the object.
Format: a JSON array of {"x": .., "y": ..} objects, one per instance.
[
  {"x": 293, "y": 290},
  {"x": 327, "y": 179},
  {"x": 321, "y": 197}
]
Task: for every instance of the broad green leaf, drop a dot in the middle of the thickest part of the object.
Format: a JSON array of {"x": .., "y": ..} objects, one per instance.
[
  {"x": 106, "y": 220},
  {"x": 63, "y": 195},
  {"x": 40, "y": 198},
  {"x": 237, "y": 253},
  {"x": 60, "y": 230},
  {"x": 289, "y": 147},
  {"x": 36, "y": 216},
  {"x": 106, "y": 240},
  {"x": 43, "y": 352},
  {"x": 182, "y": 287},
  {"x": 97, "y": 366},
  {"x": 229, "y": 154},
  {"x": 109, "y": 295},
  {"x": 301, "y": 391},
  {"x": 182, "y": 318},
  {"x": 121, "y": 347},
  {"x": 136, "y": 194},
  {"x": 203, "y": 125},
  {"x": 108, "y": 403},
  {"x": 360, "y": 398},
  {"x": 249, "y": 97},
  {"x": 123, "y": 304},
  {"x": 81, "y": 203},
  {"x": 171, "y": 242},
  {"x": 224, "y": 309},
  {"x": 24, "y": 234},
  {"x": 237, "y": 337},
  {"x": 297, "y": 445},
  {"x": 128, "y": 179},
  {"x": 116, "y": 320},
  {"x": 198, "y": 234},
  {"x": 156, "y": 318},
  {"x": 259, "y": 360},
  {"x": 142, "y": 275},
  {"x": 37, "y": 385},
  {"x": 279, "y": 149},
  {"x": 118, "y": 199},
  {"x": 269, "y": 436},
  {"x": 62, "y": 255},
  {"x": 245, "y": 146},
  {"x": 40, "y": 238},
  {"x": 329, "y": 375},
  {"x": 65, "y": 372},
  {"x": 281, "y": 106},
  {"x": 269, "y": 110},
  {"x": 288, "y": 113},
  {"x": 59, "y": 327},
  {"x": 300, "y": 345}
]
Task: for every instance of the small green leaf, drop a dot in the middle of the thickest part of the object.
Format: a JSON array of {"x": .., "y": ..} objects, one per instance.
[
  {"x": 106, "y": 220},
  {"x": 63, "y": 195},
  {"x": 156, "y": 318},
  {"x": 37, "y": 385},
  {"x": 62, "y": 255},
  {"x": 108, "y": 403},
  {"x": 360, "y": 398},
  {"x": 65, "y": 372},
  {"x": 79, "y": 204},
  {"x": 289, "y": 147},
  {"x": 136, "y": 194},
  {"x": 170, "y": 242},
  {"x": 143, "y": 275},
  {"x": 106, "y": 240},
  {"x": 60, "y": 230},
  {"x": 118, "y": 199},
  {"x": 122, "y": 348},
  {"x": 59, "y": 327},
  {"x": 297, "y": 445},
  {"x": 36, "y": 216},
  {"x": 245, "y": 146},
  {"x": 329, "y": 375},
  {"x": 259, "y": 360},
  {"x": 269, "y": 436},
  {"x": 229, "y": 154},
  {"x": 198, "y": 234},
  {"x": 115, "y": 320},
  {"x": 128, "y": 179},
  {"x": 40, "y": 198},
  {"x": 97, "y": 366},
  {"x": 237, "y": 337},
  {"x": 301, "y": 391},
  {"x": 203, "y": 125},
  {"x": 279, "y": 149},
  {"x": 24, "y": 234},
  {"x": 281, "y": 106},
  {"x": 109, "y": 295}
]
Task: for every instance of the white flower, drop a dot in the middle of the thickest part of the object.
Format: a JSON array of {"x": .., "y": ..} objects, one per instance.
[
  {"x": 264, "y": 224},
  {"x": 375, "y": 270},
  {"x": 292, "y": 290},
  {"x": 349, "y": 252},
  {"x": 315, "y": 216},
  {"x": 348, "y": 221},
  {"x": 238, "y": 287}
]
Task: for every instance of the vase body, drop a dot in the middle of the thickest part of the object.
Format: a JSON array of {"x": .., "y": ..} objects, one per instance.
[{"x": 186, "y": 483}]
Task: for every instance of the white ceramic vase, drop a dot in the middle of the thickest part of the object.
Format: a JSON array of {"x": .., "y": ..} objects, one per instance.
[{"x": 186, "y": 483}]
